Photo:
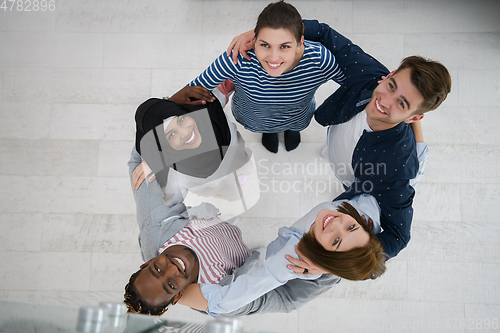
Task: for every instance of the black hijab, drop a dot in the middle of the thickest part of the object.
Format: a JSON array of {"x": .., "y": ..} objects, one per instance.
[{"x": 154, "y": 148}]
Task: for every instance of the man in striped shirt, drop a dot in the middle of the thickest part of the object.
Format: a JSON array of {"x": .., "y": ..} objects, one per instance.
[{"x": 179, "y": 248}]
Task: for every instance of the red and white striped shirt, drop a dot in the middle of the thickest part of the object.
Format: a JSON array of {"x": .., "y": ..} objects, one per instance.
[{"x": 218, "y": 245}]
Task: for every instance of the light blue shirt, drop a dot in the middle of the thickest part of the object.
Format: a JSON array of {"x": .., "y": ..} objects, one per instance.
[
  {"x": 423, "y": 155},
  {"x": 273, "y": 272}
]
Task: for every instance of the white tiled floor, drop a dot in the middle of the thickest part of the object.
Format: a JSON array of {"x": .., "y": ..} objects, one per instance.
[{"x": 70, "y": 81}]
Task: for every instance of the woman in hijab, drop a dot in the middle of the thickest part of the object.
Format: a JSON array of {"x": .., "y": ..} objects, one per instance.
[{"x": 189, "y": 147}]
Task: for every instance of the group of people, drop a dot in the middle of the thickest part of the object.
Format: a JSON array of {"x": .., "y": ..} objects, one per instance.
[{"x": 186, "y": 143}]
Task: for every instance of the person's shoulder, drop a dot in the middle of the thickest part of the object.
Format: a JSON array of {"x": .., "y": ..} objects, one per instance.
[
  {"x": 317, "y": 54},
  {"x": 407, "y": 141},
  {"x": 400, "y": 140},
  {"x": 251, "y": 54},
  {"x": 245, "y": 64},
  {"x": 316, "y": 48},
  {"x": 395, "y": 149},
  {"x": 309, "y": 44},
  {"x": 227, "y": 60},
  {"x": 400, "y": 133}
]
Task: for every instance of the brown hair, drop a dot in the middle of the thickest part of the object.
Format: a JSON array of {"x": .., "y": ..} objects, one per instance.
[
  {"x": 136, "y": 305},
  {"x": 367, "y": 262},
  {"x": 431, "y": 78},
  {"x": 280, "y": 15}
]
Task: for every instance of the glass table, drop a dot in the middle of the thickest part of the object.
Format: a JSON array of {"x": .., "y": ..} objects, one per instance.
[{"x": 19, "y": 317}]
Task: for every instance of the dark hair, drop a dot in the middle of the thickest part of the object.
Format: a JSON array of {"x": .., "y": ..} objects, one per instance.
[
  {"x": 431, "y": 78},
  {"x": 280, "y": 15},
  {"x": 136, "y": 305},
  {"x": 367, "y": 262}
]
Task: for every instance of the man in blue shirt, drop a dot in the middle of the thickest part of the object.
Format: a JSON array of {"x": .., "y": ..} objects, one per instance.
[
  {"x": 371, "y": 144},
  {"x": 383, "y": 157}
]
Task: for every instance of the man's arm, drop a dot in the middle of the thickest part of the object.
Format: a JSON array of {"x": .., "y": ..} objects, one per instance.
[
  {"x": 396, "y": 216},
  {"x": 351, "y": 58},
  {"x": 254, "y": 283},
  {"x": 361, "y": 70},
  {"x": 285, "y": 298},
  {"x": 288, "y": 297},
  {"x": 395, "y": 199},
  {"x": 240, "y": 45},
  {"x": 152, "y": 213}
]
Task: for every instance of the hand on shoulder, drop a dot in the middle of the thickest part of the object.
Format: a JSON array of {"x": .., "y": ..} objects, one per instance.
[{"x": 196, "y": 95}]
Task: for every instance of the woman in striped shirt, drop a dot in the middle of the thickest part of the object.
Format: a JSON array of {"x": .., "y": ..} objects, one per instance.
[{"x": 274, "y": 90}]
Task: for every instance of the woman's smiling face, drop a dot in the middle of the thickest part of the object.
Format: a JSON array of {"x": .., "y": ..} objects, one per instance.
[
  {"x": 182, "y": 133},
  {"x": 337, "y": 231},
  {"x": 277, "y": 50}
]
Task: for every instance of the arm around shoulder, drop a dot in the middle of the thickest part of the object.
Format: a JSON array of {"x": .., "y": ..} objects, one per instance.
[
  {"x": 288, "y": 297},
  {"x": 396, "y": 216},
  {"x": 324, "y": 34},
  {"x": 195, "y": 95}
]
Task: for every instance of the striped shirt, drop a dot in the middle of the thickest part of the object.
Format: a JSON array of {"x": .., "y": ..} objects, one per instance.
[
  {"x": 267, "y": 104},
  {"x": 218, "y": 245}
]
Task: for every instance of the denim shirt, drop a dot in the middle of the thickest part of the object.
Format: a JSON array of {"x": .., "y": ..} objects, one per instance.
[{"x": 273, "y": 272}]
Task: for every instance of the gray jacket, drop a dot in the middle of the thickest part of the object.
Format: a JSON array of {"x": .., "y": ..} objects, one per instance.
[{"x": 159, "y": 222}]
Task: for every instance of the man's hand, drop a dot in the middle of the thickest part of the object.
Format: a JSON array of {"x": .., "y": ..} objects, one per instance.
[
  {"x": 140, "y": 173},
  {"x": 304, "y": 263},
  {"x": 241, "y": 44},
  {"x": 200, "y": 95}
]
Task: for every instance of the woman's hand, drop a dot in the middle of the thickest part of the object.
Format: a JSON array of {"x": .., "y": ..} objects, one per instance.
[
  {"x": 369, "y": 222},
  {"x": 241, "y": 44},
  {"x": 304, "y": 263},
  {"x": 140, "y": 173},
  {"x": 196, "y": 95}
]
